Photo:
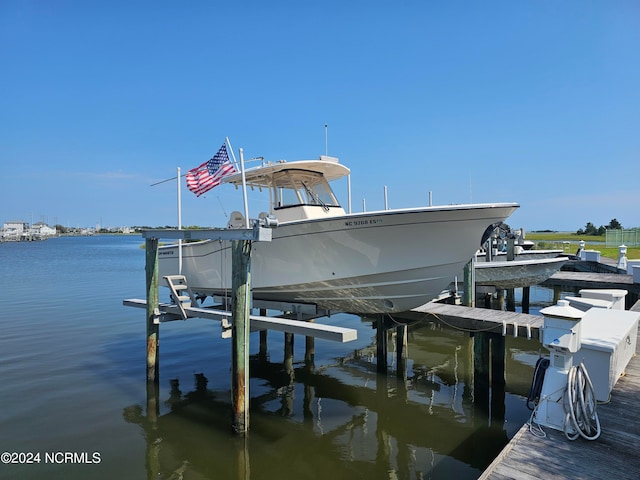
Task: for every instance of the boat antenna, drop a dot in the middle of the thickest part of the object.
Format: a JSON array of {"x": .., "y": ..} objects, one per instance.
[
  {"x": 167, "y": 180},
  {"x": 326, "y": 139}
]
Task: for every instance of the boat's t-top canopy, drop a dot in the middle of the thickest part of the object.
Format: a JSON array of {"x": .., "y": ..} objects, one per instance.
[
  {"x": 262, "y": 176},
  {"x": 298, "y": 190}
]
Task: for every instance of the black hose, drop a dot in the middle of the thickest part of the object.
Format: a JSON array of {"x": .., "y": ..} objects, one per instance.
[{"x": 536, "y": 383}]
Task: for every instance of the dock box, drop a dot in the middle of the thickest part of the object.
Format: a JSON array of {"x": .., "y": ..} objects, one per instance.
[
  {"x": 609, "y": 340},
  {"x": 614, "y": 295},
  {"x": 590, "y": 255},
  {"x": 631, "y": 264}
]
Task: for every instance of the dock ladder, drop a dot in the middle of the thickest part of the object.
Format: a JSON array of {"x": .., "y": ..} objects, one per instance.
[{"x": 178, "y": 286}]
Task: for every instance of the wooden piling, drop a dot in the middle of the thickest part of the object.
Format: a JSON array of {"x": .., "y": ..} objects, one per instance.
[
  {"x": 262, "y": 352},
  {"x": 526, "y": 296},
  {"x": 468, "y": 292},
  {"x": 309, "y": 352},
  {"x": 288, "y": 356},
  {"x": 557, "y": 292},
  {"x": 241, "y": 296},
  {"x": 511, "y": 249},
  {"x": 153, "y": 321},
  {"x": 498, "y": 380},
  {"x": 481, "y": 368},
  {"x": 401, "y": 351},
  {"x": 511, "y": 300},
  {"x": 381, "y": 344},
  {"x": 499, "y": 300}
]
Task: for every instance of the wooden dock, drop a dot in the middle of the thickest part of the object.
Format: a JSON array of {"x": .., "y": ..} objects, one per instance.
[
  {"x": 578, "y": 280},
  {"x": 592, "y": 280},
  {"x": 480, "y": 319},
  {"x": 615, "y": 454}
]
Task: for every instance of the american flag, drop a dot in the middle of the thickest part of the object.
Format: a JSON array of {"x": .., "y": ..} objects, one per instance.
[{"x": 208, "y": 175}]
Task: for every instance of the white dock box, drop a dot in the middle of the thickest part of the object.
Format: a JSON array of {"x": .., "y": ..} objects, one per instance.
[
  {"x": 631, "y": 264},
  {"x": 614, "y": 295},
  {"x": 590, "y": 255},
  {"x": 609, "y": 340}
]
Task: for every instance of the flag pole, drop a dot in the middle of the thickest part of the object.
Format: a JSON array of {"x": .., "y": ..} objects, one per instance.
[
  {"x": 179, "y": 224},
  {"x": 244, "y": 181},
  {"x": 226, "y": 139}
]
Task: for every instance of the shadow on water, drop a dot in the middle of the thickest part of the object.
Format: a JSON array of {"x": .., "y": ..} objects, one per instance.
[{"x": 440, "y": 418}]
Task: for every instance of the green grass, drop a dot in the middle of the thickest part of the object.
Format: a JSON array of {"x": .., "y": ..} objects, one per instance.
[
  {"x": 553, "y": 240},
  {"x": 562, "y": 236}
]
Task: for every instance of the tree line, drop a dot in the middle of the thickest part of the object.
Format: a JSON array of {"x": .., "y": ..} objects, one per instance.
[{"x": 590, "y": 228}]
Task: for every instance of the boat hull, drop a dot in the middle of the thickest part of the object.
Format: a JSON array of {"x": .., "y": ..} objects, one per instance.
[
  {"x": 517, "y": 273},
  {"x": 376, "y": 262},
  {"x": 524, "y": 255}
]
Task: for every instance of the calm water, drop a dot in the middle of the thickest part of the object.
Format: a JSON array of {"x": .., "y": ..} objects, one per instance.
[{"x": 74, "y": 398}]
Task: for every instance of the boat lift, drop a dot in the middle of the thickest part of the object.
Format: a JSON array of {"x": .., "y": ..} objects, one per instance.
[{"x": 242, "y": 322}]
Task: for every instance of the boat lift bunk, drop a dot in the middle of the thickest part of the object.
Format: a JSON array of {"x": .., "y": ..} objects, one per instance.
[{"x": 168, "y": 312}]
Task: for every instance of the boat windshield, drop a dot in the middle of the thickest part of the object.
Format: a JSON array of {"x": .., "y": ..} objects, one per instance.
[{"x": 302, "y": 187}]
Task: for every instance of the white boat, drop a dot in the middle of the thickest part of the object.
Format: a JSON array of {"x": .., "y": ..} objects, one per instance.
[
  {"x": 517, "y": 273},
  {"x": 519, "y": 254},
  {"x": 370, "y": 262},
  {"x": 522, "y": 249}
]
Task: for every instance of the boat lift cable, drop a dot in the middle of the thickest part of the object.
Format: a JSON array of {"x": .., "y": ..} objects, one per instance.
[
  {"x": 461, "y": 329},
  {"x": 398, "y": 323}
]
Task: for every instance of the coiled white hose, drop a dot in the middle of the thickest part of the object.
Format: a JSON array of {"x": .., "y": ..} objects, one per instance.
[{"x": 581, "y": 419}]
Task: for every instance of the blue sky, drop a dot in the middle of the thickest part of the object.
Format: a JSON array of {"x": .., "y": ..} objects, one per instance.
[{"x": 536, "y": 102}]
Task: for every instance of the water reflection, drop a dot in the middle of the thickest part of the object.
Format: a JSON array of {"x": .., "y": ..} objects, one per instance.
[{"x": 441, "y": 414}]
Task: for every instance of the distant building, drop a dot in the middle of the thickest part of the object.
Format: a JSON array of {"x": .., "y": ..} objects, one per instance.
[
  {"x": 43, "y": 230},
  {"x": 18, "y": 230},
  {"x": 13, "y": 231}
]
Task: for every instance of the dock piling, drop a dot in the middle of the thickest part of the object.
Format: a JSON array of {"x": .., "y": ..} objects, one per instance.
[
  {"x": 481, "y": 369},
  {"x": 263, "y": 351},
  {"x": 241, "y": 286},
  {"x": 526, "y": 296},
  {"x": 288, "y": 356},
  {"x": 468, "y": 294},
  {"x": 498, "y": 380},
  {"x": 401, "y": 352},
  {"x": 153, "y": 321},
  {"x": 381, "y": 344},
  {"x": 309, "y": 351}
]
